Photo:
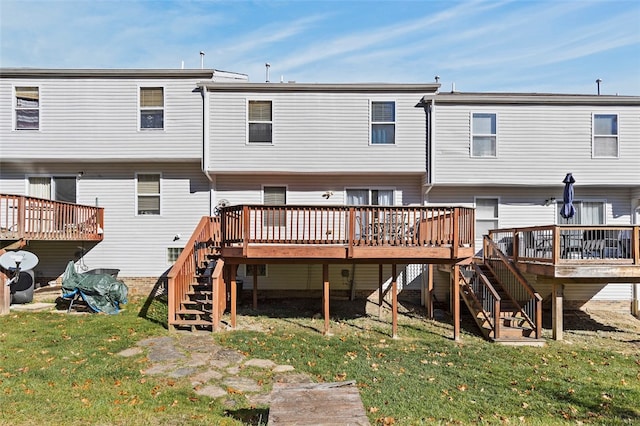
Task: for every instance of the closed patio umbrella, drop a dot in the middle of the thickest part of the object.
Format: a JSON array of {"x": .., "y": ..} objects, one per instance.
[{"x": 568, "y": 211}]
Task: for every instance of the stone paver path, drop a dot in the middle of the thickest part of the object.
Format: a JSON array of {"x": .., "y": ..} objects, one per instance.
[{"x": 214, "y": 371}]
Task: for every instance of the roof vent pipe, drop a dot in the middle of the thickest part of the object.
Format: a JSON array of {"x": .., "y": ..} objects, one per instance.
[
  {"x": 437, "y": 77},
  {"x": 453, "y": 87},
  {"x": 267, "y": 66},
  {"x": 598, "y": 81},
  {"x": 201, "y": 59}
]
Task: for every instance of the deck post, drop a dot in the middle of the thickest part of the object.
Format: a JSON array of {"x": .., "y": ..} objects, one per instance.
[
  {"x": 233, "y": 271},
  {"x": 5, "y": 295},
  {"x": 255, "y": 287},
  {"x": 429, "y": 301},
  {"x": 394, "y": 303},
  {"x": 455, "y": 294},
  {"x": 380, "y": 294},
  {"x": 557, "y": 295},
  {"x": 325, "y": 297}
]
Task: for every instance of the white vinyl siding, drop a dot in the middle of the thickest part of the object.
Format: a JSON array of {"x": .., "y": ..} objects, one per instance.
[
  {"x": 537, "y": 144},
  {"x": 148, "y": 199},
  {"x": 383, "y": 122},
  {"x": 605, "y": 136},
  {"x": 260, "y": 123},
  {"x": 27, "y": 108},
  {"x": 151, "y": 108},
  {"x": 315, "y": 132},
  {"x": 484, "y": 135}
]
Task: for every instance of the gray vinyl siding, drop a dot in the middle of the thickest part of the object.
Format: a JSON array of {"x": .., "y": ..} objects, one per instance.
[
  {"x": 137, "y": 245},
  {"x": 536, "y": 145},
  {"x": 315, "y": 132},
  {"x": 93, "y": 119}
]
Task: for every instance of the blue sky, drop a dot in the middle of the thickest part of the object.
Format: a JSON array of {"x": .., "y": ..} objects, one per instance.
[{"x": 515, "y": 46}]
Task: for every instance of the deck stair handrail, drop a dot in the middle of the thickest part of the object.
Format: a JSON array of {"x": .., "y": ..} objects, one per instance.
[
  {"x": 348, "y": 225},
  {"x": 32, "y": 218},
  {"x": 182, "y": 275},
  {"x": 523, "y": 296},
  {"x": 482, "y": 299}
]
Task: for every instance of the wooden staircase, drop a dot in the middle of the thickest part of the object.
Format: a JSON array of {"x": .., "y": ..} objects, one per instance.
[
  {"x": 196, "y": 285},
  {"x": 196, "y": 305},
  {"x": 505, "y": 308}
]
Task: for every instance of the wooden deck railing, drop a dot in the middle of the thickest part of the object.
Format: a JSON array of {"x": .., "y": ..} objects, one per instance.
[
  {"x": 571, "y": 244},
  {"x": 183, "y": 272},
  {"x": 357, "y": 226},
  {"x": 31, "y": 218}
]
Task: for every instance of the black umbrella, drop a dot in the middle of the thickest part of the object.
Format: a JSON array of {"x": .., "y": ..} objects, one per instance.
[{"x": 568, "y": 211}]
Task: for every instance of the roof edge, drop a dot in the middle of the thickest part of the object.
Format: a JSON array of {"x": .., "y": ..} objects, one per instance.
[
  {"x": 106, "y": 73},
  {"x": 320, "y": 87},
  {"x": 475, "y": 98}
]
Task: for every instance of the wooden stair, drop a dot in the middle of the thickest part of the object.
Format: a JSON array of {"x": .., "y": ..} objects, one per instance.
[
  {"x": 196, "y": 307},
  {"x": 514, "y": 327}
]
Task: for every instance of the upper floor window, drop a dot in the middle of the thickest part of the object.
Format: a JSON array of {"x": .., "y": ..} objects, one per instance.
[
  {"x": 151, "y": 108},
  {"x": 383, "y": 122},
  {"x": 27, "y": 108},
  {"x": 483, "y": 135},
  {"x": 605, "y": 135},
  {"x": 148, "y": 193},
  {"x": 260, "y": 122}
]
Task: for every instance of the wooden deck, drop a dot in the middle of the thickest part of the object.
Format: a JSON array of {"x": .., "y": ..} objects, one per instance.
[
  {"x": 342, "y": 234},
  {"x": 572, "y": 252},
  {"x": 30, "y": 218}
]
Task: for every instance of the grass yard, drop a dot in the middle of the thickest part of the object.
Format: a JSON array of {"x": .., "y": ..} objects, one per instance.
[{"x": 62, "y": 369}]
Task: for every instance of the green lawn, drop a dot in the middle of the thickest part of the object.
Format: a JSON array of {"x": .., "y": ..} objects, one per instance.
[{"x": 61, "y": 369}]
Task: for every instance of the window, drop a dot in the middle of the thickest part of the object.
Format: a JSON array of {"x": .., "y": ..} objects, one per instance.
[
  {"x": 151, "y": 108},
  {"x": 148, "y": 194},
  {"x": 173, "y": 253},
  {"x": 59, "y": 188},
  {"x": 587, "y": 213},
  {"x": 261, "y": 269},
  {"x": 383, "y": 122},
  {"x": 370, "y": 197},
  {"x": 486, "y": 216},
  {"x": 274, "y": 196},
  {"x": 27, "y": 108},
  {"x": 260, "y": 122},
  {"x": 605, "y": 135},
  {"x": 483, "y": 130}
]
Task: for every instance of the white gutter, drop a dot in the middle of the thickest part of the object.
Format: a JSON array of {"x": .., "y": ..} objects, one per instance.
[{"x": 204, "y": 164}]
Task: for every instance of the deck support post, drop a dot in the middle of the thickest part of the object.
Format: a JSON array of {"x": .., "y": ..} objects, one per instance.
[
  {"x": 429, "y": 295},
  {"x": 557, "y": 296},
  {"x": 255, "y": 287},
  {"x": 380, "y": 293},
  {"x": 233, "y": 271},
  {"x": 394, "y": 303},
  {"x": 455, "y": 294},
  {"x": 325, "y": 297},
  {"x": 5, "y": 295}
]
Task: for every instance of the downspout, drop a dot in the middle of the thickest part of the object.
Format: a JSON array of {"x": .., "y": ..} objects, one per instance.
[{"x": 204, "y": 164}]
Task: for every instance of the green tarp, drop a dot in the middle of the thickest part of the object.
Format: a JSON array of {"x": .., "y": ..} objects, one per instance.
[{"x": 102, "y": 292}]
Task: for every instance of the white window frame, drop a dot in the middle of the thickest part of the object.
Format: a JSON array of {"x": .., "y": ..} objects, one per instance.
[
  {"x": 155, "y": 108},
  {"x": 495, "y": 219},
  {"x": 159, "y": 194},
  {"x": 578, "y": 205},
  {"x": 249, "y": 122},
  {"x": 170, "y": 254},
  {"x": 52, "y": 183},
  {"x": 473, "y": 135},
  {"x": 370, "y": 197},
  {"x": 16, "y": 108},
  {"x": 394, "y": 122},
  {"x": 595, "y": 136}
]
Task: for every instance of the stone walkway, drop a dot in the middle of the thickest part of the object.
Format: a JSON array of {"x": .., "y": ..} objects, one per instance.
[{"x": 214, "y": 371}]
